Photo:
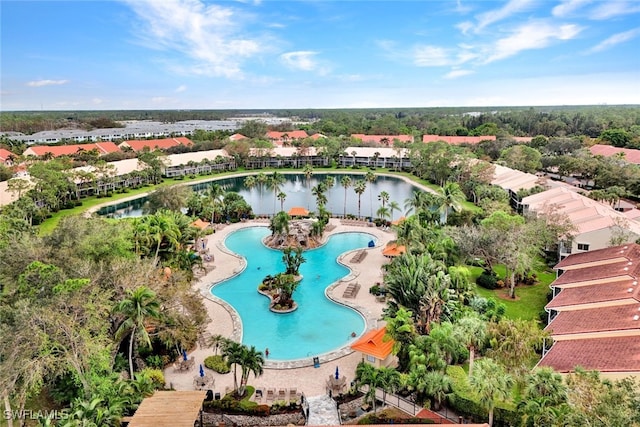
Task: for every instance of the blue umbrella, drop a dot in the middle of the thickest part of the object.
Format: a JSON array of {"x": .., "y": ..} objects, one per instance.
[
  {"x": 201, "y": 371},
  {"x": 337, "y": 373},
  {"x": 184, "y": 355}
]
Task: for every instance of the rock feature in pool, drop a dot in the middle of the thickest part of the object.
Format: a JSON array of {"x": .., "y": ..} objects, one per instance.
[
  {"x": 286, "y": 233},
  {"x": 279, "y": 289}
]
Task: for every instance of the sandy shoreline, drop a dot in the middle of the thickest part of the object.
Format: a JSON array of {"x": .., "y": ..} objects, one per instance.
[{"x": 296, "y": 374}]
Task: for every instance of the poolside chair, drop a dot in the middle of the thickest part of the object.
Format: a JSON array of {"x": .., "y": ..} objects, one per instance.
[
  {"x": 282, "y": 394},
  {"x": 259, "y": 395},
  {"x": 271, "y": 394},
  {"x": 293, "y": 395}
]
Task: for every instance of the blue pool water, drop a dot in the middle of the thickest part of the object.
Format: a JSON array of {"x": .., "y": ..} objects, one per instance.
[{"x": 318, "y": 325}]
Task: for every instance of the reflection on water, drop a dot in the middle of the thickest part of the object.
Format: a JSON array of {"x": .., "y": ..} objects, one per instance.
[{"x": 298, "y": 193}]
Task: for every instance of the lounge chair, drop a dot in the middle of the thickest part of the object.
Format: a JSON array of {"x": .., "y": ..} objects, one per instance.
[
  {"x": 282, "y": 394},
  {"x": 293, "y": 395},
  {"x": 259, "y": 395},
  {"x": 271, "y": 394}
]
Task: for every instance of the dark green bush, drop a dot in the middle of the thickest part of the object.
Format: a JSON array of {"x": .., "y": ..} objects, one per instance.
[
  {"x": 217, "y": 364},
  {"x": 487, "y": 280}
]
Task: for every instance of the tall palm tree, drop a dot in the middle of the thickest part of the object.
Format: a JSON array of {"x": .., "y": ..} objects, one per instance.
[
  {"x": 451, "y": 198},
  {"x": 139, "y": 306},
  {"x": 282, "y": 196},
  {"x": 359, "y": 187},
  {"x": 250, "y": 182},
  {"x": 262, "y": 179},
  {"x": 491, "y": 384},
  {"x": 345, "y": 181},
  {"x": 383, "y": 197},
  {"x": 382, "y": 212},
  {"x": 472, "y": 332},
  {"x": 390, "y": 380},
  {"x": 308, "y": 173},
  {"x": 393, "y": 206},
  {"x": 370, "y": 178},
  {"x": 280, "y": 223},
  {"x": 318, "y": 192},
  {"x": 251, "y": 362},
  {"x": 215, "y": 199},
  {"x": 275, "y": 181},
  {"x": 232, "y": 352},
  {"x": 367, "y": 375}
]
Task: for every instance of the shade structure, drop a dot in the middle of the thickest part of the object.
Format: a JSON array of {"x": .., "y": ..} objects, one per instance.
[
  {"x": 337, "y": 373},
  {"x": 398, "y": 221},
  {"x": 200, "y": 224},
  {"x": 393, "y": 250},
  {"x": 201, "y": 371},
  {"x": 298, "y": 211},
  {"x": 184, "y": 355}
]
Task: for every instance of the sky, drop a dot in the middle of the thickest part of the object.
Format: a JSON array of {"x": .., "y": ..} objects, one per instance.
[{"x": 268, "y": 54}]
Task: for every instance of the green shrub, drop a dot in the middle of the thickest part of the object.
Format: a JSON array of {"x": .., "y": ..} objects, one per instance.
[
  {"x": 487, "y": 280},
  {"x": 155, "y": 375},
  {"x": 154, "y": 361},
  {"x": 218, "y": 364}
]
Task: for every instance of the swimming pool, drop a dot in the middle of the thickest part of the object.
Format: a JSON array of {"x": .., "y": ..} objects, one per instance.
[{"x": 319, "y": 325}]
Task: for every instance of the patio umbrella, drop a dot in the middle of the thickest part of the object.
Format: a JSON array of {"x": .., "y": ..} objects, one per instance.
[
  {"x": 201, "y": 371},
  {"x": 184, "y": 355},
  {"x": 337, "y": 373}
]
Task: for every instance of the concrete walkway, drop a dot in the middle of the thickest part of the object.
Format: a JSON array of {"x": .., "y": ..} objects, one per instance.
[{"x": 323, "y": 411}]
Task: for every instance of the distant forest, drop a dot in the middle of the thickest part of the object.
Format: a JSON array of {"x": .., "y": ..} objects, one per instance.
[{"x": 620, "y": 125}]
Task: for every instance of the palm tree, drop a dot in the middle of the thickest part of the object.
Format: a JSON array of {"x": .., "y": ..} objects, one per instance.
[
  {"x": 451, "y": 198},
  {"x": 215, "y": 198},
  {"x": 359, "y": 187},
  {"x": 390, "y": 381},
  {"x": 261, "y": 180},
  {"x": 393, "y": 206},
  {"x": 250, "y": 182},
  {"x": 382, "y": 212},
  {"x": 437, "y": 386},
  {"x": 345, "y": 181},
  {"x": 251, "y": 362},
  {"x": 370, "y": 177},
  {"x": 491, "y": 384},
  {"x": 139, "y": 306},
  {"x": 401, "y": 329},
  {"x": 280, "y": 223},
  {"x": 308, "y": 173},
  {"x": 275, "y": 181},
  {"x": 318, "y": 192},
  {"x": 383, "y": 197},
  {"x": 367, "y": 375},
  {"x": 472, "y": 332},
  {"x": 282, "y": 196},
  {"x": 233, "y": 353}
]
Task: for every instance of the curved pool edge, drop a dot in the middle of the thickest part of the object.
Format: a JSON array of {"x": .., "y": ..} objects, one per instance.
[{"x": 370, "y": 322}]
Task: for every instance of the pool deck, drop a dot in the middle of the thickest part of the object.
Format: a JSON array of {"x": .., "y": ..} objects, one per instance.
[{"x": 299, "y": 374}]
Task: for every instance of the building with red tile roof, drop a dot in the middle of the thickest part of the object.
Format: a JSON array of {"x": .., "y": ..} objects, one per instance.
[
  {"x": 67, "y": 150},
  {"x": 375, "y": 349},
  {"x": 6, "y": 156},
  {"x": 282, "y": 138},
  {"x": 385, "y": 140},
  {"x": 237, "y": 137},
  {"x": 155, "y": 144},
  {"x": 458, "y": 140},
  {"x": 628, "y": 154},
  {"x": 595, "y": 313}
]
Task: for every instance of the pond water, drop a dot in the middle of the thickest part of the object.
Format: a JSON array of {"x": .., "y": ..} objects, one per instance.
[{"x": 298, "y": 193}]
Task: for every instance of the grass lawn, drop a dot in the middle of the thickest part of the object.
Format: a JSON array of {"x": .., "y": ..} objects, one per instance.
[{"x": 530, "y": 300}]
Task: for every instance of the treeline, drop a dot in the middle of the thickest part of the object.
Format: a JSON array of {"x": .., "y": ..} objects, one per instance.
[{"x": 590, "y": 121}]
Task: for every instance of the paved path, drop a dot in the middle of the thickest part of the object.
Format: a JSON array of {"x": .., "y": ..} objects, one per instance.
[{"x": 323, "y": 411}]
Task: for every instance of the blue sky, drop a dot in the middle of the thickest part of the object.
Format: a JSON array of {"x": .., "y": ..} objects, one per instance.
[{"x": 196, "y": 54}]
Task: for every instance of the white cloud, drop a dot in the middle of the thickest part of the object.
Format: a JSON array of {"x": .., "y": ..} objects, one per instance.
[
  {"x": 454, "y": 74},
  {"x": 97, "y": 101},
  {"x": 566, "y": 7},
  {"x": 431, "y": 56},
  {"x": 465, "y": 26},
  {"x": 300, "y": 60},
  {"x": 40, "y": 83},
  {"x": 532, "y": 35},
  {"x": 180, "y": 89},
  {"x": 615, "y": 40},
  {"x": 609, "y": 9},
  {"x": 512, "y": 7},
  {"x": 208, "y": 34}
]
